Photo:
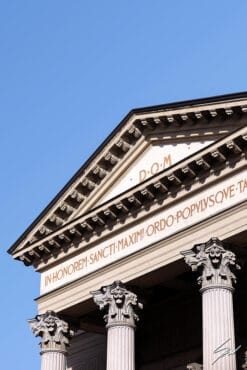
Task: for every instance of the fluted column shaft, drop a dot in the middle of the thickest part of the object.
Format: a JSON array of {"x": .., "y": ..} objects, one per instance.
[
  {"x": 120, "y": 319},
  {"x": 120, "y": 348},
  {"x": 218, "y": 330},
  {"x": 53, "y": 361},
  {"x": 215, "y": 265}
]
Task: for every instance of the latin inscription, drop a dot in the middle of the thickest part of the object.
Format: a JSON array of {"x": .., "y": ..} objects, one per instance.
[
  {"x": 94, "y": 257},
  {"x": 155, "y": 168},
  {"x": 170, "y": 221},
  {"x": 154, "y": 159}
]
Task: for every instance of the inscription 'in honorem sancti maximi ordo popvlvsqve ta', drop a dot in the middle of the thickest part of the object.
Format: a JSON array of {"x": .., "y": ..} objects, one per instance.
[{"x": 163, "y": 224}]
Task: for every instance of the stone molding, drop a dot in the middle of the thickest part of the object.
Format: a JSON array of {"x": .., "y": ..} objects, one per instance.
[
  {"x": 54, "y": 332},
  {"x": 120, "y": 304},
  {"x": 133, "y": 129},
  {"x": 214, "y": 263},
  {"x": 161, "y": 186}
]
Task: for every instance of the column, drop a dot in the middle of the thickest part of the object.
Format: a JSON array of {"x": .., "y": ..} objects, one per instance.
[
  {"x": 244, "y": 366},
  {"x": 194, "y": 366},
  {"x": 120, "y": 305},
  {"x": 215, "y": 265},
  {"x": 55, "y": 334}
]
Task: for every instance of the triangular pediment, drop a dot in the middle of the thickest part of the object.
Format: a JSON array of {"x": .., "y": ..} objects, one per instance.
[
  {"x": 157, "y": 155},
  {"x": 146, "y": 142}
]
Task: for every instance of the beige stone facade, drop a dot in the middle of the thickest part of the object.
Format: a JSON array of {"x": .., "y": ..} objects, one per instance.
[{"x": 169, "y": 182}]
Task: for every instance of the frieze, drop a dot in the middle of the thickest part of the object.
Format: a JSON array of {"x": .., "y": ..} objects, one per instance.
[{"x": 166, "y": 222}]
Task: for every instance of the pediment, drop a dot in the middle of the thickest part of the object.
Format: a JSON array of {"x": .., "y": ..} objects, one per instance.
[
  {"x": 211, "y": 180},
  {"x": 157, "y": 156},
  {"x": 145, "y": 143}
]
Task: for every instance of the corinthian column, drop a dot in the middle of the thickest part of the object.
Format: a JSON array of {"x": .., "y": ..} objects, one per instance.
[
  {"x": 215, "y": 265},
  {"x": 55, "y": 335},
  {"x": 120, "y": 323},
  {"x": 244, "y": 366}
]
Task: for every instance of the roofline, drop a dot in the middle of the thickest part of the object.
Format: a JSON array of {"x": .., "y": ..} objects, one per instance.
[
  {"x": 167, "y": 106},
  {"x": 189, "y": 103}
]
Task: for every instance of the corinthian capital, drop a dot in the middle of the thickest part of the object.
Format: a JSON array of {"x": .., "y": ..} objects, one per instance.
[
  {"x": 119, "y": 303},
  {"x": 54, "y": 332},
  {"x": 244, "y": 366},
  {"x": 214, "y": 263},
  {"x": 194, "y": 366}
]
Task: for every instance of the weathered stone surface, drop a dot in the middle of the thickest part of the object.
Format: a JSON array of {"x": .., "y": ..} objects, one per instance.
[
  {"x": 54, "y": 332},
  {"x": 214, "y": 263},
  {"x": 119, "y": 302}
]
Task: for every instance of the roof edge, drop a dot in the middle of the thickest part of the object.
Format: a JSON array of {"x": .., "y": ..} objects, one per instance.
[{"x": 167, "y": 106}]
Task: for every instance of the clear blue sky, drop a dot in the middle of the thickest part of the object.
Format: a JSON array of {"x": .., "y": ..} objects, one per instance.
[{"x": 69, "y": 72}]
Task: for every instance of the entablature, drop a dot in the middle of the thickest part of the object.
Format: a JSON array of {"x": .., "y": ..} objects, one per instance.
[{"x": 221, "y": 157}]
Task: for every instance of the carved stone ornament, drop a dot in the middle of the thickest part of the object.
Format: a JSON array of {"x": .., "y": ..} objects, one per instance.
[
  {"x": 194, "y": 366},
  {"x": 244, "y": 366},
  {"x": 214, "y": 263},
  {"x": 120, "y": 304},
  {"x": 55, "y": 333}
]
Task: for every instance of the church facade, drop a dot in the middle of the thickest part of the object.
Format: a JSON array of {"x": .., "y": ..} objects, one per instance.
[{"x": 142, "y": 255}]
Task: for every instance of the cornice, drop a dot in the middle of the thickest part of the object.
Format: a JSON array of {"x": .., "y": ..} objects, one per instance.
[
  {"x": 223, "y": 225},
  {"x": 81, "y": 191},
  {"x": 227, "y": 153}
]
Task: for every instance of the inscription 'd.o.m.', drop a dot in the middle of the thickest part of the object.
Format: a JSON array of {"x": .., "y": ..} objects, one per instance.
[{"x": 155, "y": 167}]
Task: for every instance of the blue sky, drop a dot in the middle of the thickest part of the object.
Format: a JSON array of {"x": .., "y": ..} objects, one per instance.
[{"x": 69, "y": 72}]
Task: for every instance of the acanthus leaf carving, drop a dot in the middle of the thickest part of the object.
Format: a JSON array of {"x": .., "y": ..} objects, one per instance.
[
  {"x": 54, "y": 332},
  {"x": 214, "y": 263},
  {"x": 119, "y": 302},
  {"x": 194, "y": 366},
  {"x": 244, "y": 366}
]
